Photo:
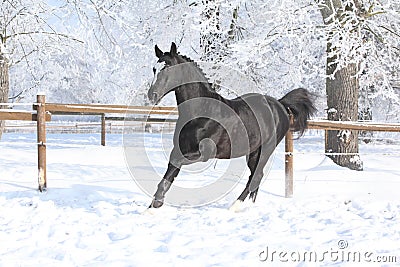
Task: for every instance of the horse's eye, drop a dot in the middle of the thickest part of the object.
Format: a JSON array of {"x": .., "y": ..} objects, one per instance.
[{"x": 154, "y": 70}]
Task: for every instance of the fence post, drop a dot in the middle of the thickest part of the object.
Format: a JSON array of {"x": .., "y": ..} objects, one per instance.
[
  {"x": 41, "y": 139},
  {"x": 289, "y": 160},
  {"x": 103, "y": 129}
]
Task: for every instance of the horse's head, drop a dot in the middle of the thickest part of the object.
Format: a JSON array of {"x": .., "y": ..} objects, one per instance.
[
  {"x": 173, "y": 71},
  {"x": 159, "y": 88}
]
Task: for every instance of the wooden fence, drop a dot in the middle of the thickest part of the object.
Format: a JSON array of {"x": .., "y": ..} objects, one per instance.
[
  {"x": 329, "y": 125},
  {"x": 42, "y": 112},
  {"x": 102, "y": 110},
  {"x": 40, "y": 116}
]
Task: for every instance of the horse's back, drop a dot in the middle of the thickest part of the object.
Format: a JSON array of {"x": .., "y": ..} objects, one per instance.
[{"x": 263, "y": 115}]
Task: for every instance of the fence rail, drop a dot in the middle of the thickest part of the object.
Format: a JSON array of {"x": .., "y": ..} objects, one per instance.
[
  {"x": 42, "y": 112},
  {"x": 99, "y": 109},
  {"x": 353, "y": 125},
  {"x": 20, "y": 115}
]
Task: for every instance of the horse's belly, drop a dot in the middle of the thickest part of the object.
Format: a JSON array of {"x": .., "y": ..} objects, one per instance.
[{"x": 237, "y": 146}]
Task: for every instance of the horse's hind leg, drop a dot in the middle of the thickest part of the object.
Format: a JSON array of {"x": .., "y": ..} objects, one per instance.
[
  {"x": 256, "y": 162},
  {"x": 164, "y": 185},
  {"x": 252, "y": 161},
  {"x": 258, "y": 170}
]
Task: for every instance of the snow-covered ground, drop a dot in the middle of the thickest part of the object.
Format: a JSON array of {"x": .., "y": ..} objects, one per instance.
[{"x": 92, "y": 213}]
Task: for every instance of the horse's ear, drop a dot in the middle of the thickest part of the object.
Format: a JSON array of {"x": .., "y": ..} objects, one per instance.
[
  {"x": 173, "y": 49},
  {"x": 159, "y": 53}
]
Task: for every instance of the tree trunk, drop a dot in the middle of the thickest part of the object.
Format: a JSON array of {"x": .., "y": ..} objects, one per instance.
[
  {"x": 342, "y": 96},
  {"x": 4, "y": 85},
  {"x": 342, "y": 100}
]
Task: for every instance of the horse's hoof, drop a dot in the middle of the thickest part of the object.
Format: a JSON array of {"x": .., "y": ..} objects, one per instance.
[
  {"x": 237, "y": 206},
  {"x": 156, "y": 204},
  {"x": 253, "y": 196}
]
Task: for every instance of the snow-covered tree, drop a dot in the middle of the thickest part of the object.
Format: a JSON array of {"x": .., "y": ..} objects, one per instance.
[
  {"x": 354, "y": 40},
  {"x": 289, "y": 43},
  {"x": 4, "y": 81},
  {"x": 27, "y": 41}
]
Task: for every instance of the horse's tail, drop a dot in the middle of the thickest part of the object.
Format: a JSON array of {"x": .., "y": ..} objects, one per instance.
[{"x": 300, "y": 103}]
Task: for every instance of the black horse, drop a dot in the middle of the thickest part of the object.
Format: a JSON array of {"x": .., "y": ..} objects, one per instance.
[{"x": 210, "y": 126}]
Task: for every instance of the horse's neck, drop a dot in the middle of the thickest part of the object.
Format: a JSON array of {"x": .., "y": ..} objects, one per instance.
[
  {"x": 191, "y": 91},
  {"x": 190, "y": 96},
  {"x": 192, "y": 85}
]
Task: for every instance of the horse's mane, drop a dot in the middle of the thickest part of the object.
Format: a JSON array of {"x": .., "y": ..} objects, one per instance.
[{"x": 188, "y": 59}]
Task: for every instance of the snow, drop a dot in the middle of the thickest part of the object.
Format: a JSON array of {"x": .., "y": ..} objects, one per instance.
[{"x": 92, "y": 213}]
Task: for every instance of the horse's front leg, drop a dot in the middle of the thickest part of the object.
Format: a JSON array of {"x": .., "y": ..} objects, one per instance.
[{"x": 164, "y": 185}]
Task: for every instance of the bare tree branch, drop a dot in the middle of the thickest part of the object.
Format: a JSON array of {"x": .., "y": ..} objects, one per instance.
[
  {"x": 45, "y": 33},
  {"x": 112, "y": 40}
]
